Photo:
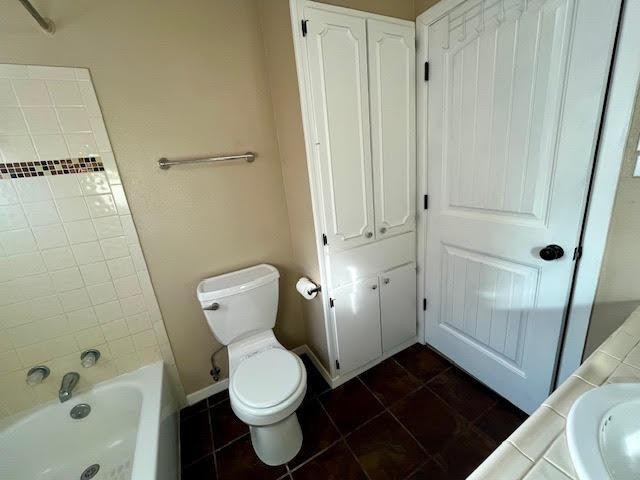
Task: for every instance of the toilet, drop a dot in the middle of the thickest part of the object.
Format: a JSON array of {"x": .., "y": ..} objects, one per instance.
[{"x": 267, "y": 382}]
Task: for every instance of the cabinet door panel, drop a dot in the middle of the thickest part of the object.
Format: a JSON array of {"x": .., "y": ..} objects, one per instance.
[
  {"x": 337, "y": 52},
  {"x": 357, "y": 321},
  {"x": 393, "y": 132},
  {"x": 398, "y": 306}
]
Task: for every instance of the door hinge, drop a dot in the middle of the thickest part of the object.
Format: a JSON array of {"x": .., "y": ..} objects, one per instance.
[
  {"x": 426, "y": 71},
  {"x": 304, "y": 27},
  {"x": 577, "y": 252},
  {"x": 426, "y": 202},
  {"x": 424, "y": 304},
  {"x": 337, "y": 364},
  {"x": 324, "y": 239},
  {"x": 331, "y": 302}
]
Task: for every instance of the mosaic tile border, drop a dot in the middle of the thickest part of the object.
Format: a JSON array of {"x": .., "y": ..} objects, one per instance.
[{"x": 43, "y": 168}]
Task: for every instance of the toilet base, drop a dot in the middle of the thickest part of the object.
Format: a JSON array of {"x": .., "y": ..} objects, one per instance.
[{"x": 278, "y": 443}]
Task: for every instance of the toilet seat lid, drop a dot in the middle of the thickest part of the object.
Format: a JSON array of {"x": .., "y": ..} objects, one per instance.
[{"x": 267, "y": 378}]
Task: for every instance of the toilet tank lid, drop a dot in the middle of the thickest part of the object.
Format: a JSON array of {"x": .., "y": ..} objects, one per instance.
[{"x": 236, "y": 282}]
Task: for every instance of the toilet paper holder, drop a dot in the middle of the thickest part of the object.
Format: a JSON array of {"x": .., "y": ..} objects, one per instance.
[{"x": 318, "y": 289}]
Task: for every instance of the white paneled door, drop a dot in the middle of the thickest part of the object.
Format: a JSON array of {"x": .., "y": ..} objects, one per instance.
[
  {"x": 337, "y": 52},
  {"x": 398, "y": 306},
  {"x": 510, "y": 118},
  {"x": 393, "y": 99}
]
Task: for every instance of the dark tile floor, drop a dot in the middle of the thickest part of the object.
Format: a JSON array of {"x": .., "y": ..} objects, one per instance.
[{"x": 414, "y": 416}]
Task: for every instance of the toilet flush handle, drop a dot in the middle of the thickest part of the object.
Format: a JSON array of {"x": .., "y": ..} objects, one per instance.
[{"x": 213, "y": 306}]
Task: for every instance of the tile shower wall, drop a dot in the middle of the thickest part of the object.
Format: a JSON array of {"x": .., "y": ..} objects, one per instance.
[{"x": 72, "y": 274}]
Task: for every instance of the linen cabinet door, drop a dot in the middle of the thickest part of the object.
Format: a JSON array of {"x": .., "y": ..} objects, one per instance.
[
  {"x": 357, "y": 321},
  {"x": 398, "y": 306},
  {"x": 393, "y": 130},
  {"x": 337, "y": 53}
]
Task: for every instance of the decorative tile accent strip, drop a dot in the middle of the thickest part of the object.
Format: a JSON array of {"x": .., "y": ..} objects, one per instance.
[{"x": 50, "y": 167}]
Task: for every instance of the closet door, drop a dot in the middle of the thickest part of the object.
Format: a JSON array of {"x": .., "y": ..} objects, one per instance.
[
  {"x": 356, "y": 309},
  {"x": 337, "y": 52},
  {"x": 398, "y": 306},
  {"x": 393, "y": 131}
]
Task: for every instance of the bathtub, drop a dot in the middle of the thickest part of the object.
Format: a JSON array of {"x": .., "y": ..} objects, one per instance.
[{"x": 131, "y": 433}]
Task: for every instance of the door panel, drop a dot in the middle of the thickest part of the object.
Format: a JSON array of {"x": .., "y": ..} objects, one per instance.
[
  {"x": 337, "y": 51},
  {"x": 514, "y": 101},
  {"x": 357, "y": 321},
  {"x": 392, "y": 99},
  {"x": 398, "y": 306}
]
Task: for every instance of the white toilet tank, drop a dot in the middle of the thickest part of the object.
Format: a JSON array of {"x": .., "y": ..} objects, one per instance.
[{"x": 240, "y": 302}]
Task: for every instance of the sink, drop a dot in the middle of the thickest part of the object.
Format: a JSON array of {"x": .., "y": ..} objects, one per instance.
[{"x": 603, "y": 433}]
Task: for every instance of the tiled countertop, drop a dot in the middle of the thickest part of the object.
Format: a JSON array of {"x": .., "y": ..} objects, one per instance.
[{"x": 538, "y": 449}]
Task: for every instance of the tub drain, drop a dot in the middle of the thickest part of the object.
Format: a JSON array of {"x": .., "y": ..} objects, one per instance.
[
  {"x": 90, "y": 472},
  {"x": 80, "y": 411}
]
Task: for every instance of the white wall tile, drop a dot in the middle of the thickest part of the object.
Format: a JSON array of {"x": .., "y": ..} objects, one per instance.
[
  {"x": 81, "y": 144},
  {"x": 75, "y": 300},
  {"x": 58, "y": 258},
  {"x": 11, "y": 217},
  {"x": 65, "y": 93},
  {"x": 26, "y": 264},
  {"x": 80, "y": 231},
  {"x": 41, "y": 120},
  {"x": 51, "y": 147},
  {"x": 101, "y": 205},
  {"x": 115, "y": 330},
  {"x": 34, "y": 189},
  {"x": 41, "y": 213},
  {"x": 72, "y": 208},
  {"x": 11, "y": 121},
  {"x": 81, "y": 319},
  {"x": 17, "y": 148},
  {"x": 102, "y": 293},
  {"x": 108, "y": 226},
  {"x": 95, "y": 273},
  {"x": 7, "y": 97},
  {"x": 32, "y": 92},
  {"x": 121, "y": 267},
  {"x": 87, "y": 253},
  {"x": 108, "y": 312},
  {"x": 8, "y": 193},
  {"x": 58, "y": 294},
  {"x": 64, "y": 186},
  {"x": 68, "y": 279},
  {"x": 17, "y": 241},
  {"x": 50, "y": 236},
  {"x": 114, "y": 247},
  {"x": 74, "y": 119}
]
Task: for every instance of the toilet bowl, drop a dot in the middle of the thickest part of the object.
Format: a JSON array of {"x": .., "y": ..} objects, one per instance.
[{"x": 267, "y": 383}]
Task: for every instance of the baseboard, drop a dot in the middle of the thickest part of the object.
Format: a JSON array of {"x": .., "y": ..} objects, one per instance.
[
  {"x": 336, "y": 382},
  {"x": 316, "y": 362},
  {"x": 206, "y": 392}
]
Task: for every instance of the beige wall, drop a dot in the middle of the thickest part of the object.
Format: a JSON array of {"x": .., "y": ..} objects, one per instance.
[
  {"x": 180, "y": 79},
  {"x": 421, "y": 5},
  {"x": 619, "y": 286}
]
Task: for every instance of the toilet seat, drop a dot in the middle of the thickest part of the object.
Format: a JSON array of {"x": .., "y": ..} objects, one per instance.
[
  {"x": 266, "y": 378},
  {"x": 273, "y": 377}
]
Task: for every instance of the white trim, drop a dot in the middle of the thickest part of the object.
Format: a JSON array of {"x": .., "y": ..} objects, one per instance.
[
  {"x": 339, "y": 380},
  {"x": 206, "y": 392},
  {"x": 625, "y": 81},
  {"x": 304, "y": 349}
]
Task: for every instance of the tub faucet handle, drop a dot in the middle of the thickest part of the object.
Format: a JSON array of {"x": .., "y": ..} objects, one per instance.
[
  {"x": 89, "y": 358},
  {"x": 37, "y": 375}
]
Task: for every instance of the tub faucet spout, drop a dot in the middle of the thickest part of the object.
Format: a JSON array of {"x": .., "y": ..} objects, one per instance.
[{"x": 69, "y": 382}]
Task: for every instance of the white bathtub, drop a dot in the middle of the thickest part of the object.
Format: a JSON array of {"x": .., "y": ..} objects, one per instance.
[{"x": 131, "y": 433}]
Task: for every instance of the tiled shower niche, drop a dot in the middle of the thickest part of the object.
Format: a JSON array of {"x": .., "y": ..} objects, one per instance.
[{"x": 72, "y": 273}]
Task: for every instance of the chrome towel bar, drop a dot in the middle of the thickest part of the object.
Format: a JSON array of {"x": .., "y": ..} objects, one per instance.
[{"x": 165, "y": 163}]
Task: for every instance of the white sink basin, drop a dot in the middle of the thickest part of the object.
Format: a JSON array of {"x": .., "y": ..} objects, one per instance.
[{"x": 603, "y": 433}]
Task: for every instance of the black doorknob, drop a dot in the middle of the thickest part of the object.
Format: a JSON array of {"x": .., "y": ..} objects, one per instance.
[{"x": 551, "y": 252}]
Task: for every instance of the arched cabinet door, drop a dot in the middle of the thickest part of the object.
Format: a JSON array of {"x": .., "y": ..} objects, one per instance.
[
  {"x": 337, "y": 55},
  {"x": 392, "y": 96}
]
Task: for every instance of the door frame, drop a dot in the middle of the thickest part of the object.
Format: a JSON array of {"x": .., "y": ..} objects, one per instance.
[{"x": 614, "y": 130}]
